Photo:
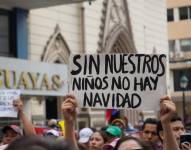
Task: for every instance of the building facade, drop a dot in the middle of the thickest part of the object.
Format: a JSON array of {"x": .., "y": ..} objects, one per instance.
[
  {"x": 50, "y": 34},
  {"x": 179, "y": 36}
]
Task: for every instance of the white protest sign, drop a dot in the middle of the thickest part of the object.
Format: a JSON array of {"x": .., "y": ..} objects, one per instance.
[
  {"x": 6, "y": 103},
  {"x": 118, "y": 80}
]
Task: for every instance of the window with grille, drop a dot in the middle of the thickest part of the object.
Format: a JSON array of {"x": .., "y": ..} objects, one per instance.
[
  {"x": 4, "y": 33},
  {"x": 170, "y": 15},
  {"x": 185, "y": 45}
]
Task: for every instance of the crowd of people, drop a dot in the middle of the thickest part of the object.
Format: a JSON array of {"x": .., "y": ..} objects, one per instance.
[{"x": 155, "y": 134}]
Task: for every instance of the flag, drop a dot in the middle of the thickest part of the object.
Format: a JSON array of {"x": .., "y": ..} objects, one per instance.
[{"x": 111, "y": 114}]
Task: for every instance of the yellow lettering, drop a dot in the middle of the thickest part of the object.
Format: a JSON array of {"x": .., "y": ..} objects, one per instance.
[
  {"x": 56, "y": 82},
  {"x": 34, "y": 78},
  {"x": 8, "y": 79},
  {"x": 45, "y": 82},
  {"x": 23, "y": 82}
]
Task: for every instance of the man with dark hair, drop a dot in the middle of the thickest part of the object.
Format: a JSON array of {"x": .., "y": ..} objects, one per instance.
[
  {"x": 176, "y": 125},
  {"x": 149, "y": 130}
]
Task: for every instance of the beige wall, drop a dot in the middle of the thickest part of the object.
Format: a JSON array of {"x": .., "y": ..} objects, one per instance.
[
  {"x": 177, "y": 3},
  {"x": 179, "y": 107},
  {"x": 42, "y": 23},
  {"x": 179, "y": 30},
  {"x": 92, "y": 22},
  {"x": 148, "y": 20}
]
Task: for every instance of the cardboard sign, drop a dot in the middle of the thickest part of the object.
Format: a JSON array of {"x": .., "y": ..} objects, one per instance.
[
  {"x": 118, "y": 80},
  {"x": 6, "y": 103}
]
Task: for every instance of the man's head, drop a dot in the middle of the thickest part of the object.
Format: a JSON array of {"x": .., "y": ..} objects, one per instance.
[
  {"x": 52, "y": 123},
  {"x": 119, "y": 123},
  {"x": 149, "y": 130},
  {"x": 10, "y": 133},
  {"x": 177, "y": 128}
]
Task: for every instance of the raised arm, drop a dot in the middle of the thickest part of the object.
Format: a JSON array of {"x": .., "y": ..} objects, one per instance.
[
  {"x": 27, "y": 125},
  {"x": 69, "y": 111},
  {"x": 167, "y": 109}
]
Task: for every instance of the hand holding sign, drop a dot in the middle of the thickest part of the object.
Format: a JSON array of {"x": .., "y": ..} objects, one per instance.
[
  {"x": 18, "y": 104},
  {"x": 69, "y": 108}
]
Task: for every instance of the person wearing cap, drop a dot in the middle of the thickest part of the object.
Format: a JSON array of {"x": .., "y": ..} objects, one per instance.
[
  {"x": 113, "y": 132},
  {"x": 52, "y": 123},
  {"x": 52, "y": 133},
  {"x": 84, "y": 136},
  {"x": 119, "y": 122},
  {"x": 12, "y": 132}
]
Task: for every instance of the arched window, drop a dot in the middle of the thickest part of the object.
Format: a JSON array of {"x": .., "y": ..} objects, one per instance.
[
  {"x": 116, "y": 34},
  {"x": 57, "y": 49}
]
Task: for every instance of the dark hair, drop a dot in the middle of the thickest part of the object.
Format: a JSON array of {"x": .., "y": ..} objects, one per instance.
[
  {"x": 159, "y": 128},
  {"x": 174, "y": 118},
  {"x": 150, "y": 121},
  {"x": 39, "y": 143},
  {"x": 103, "y": 135},
  {"x": 143, "y": 144}
]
